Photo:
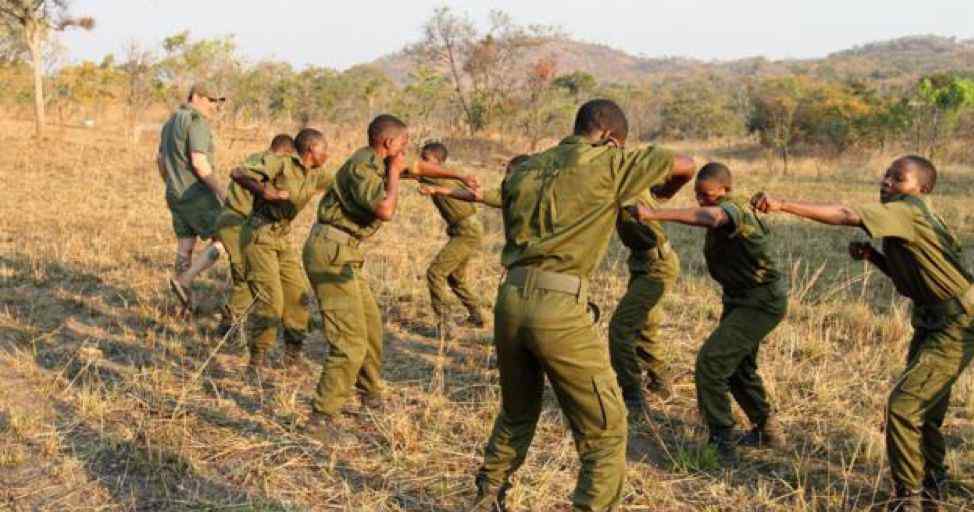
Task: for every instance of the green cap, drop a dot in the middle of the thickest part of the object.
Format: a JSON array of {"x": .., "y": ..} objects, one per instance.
[{"x": 208, "y": 90}]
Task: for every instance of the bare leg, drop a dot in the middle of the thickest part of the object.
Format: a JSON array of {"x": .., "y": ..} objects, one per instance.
[
  {"x": 184, "y": 255},
  {"x": 206, "y": 258}
]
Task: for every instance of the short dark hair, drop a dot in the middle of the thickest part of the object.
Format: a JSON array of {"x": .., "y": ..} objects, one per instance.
[
  {"x": 926, "y": 172},
  {"x": 715, "y": 171},
  {"x": 383, "y": 127},
  {"x": 307, "y": 138},
  {"x": 282, "y": 142},
  {"x": 436, "y": 149},
  {"x": 516, "y": 161},
  {"x": 602, "y": 115}
]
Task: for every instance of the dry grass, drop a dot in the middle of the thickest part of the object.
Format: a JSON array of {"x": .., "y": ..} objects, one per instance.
[{"x": 99, "y": 408}]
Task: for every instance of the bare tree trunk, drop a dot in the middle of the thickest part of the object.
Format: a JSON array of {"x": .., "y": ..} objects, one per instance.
[{"x": 36, "y": 60}]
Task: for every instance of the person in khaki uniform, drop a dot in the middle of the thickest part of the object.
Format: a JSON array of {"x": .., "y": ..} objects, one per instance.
[
  {"x": 236, "y": 210},
  {"x": 923, "y": 258},
  {"x": 282, "y": 186},
  {"x": 449, "y": 267},
  {"x": 755, "y": 300},
  {"x": 560, "y": 208},
  {"x": 489, "y": 197},
  {"x": 364, "y": 195},
  {"x": 634, "y": 329},
  {"x": 193, "y": 194}
]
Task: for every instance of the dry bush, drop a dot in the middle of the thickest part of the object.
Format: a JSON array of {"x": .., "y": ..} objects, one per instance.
[{"x": 101, "y": 410}]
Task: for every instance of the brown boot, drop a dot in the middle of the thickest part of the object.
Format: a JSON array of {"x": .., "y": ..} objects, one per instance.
[
  {"x": 768, "y": 435},
  {"x": 293, "y": 358},
  {"x": 475, "y": 319},
  {"x": 328, "y": 429},
  {"x": 905, "y": 501},
  {"x": 490, "y": 498},
  {"x": 659, "y": 385},
  {"x": 257, "y": 368}
]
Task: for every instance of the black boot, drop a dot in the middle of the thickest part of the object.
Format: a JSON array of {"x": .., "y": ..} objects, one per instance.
[{"x": 722, "y": 440}]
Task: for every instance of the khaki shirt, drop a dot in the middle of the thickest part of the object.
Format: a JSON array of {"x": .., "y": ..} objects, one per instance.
[
  {"x": 560, "y": 207},
  {"x": 737, "y": 253},
  {"x": 239, "y": 199},
  {"x": 923, "y": 256},
  {"x": 285, "y": 173},
  {"x": 184, "y": 133},
  {"x": 644, "y": 241},
  {"x": 350, "y": 203},
  {"x": 452, "y": 210},
  {"x": 493, "y": 198}
]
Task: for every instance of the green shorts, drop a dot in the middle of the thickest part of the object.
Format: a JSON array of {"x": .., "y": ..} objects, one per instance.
[{"x": 195, "y": 217}]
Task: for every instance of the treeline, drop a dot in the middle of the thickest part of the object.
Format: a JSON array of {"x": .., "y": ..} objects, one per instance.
[{"x": 500, "y": 82}]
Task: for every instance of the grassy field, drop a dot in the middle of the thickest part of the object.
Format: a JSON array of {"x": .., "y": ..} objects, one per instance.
[{"x": 107, "y": 403}]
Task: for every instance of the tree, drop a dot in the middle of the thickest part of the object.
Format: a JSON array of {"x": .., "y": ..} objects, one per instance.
[
  {"x": 576, "y": 83},
  {"x": 775, "y": 103},
  {"x": 33, "y": 22},
  {"x": 700, "y": 109},
  {"x": 188, "y": 61},
  {"x": 937, "y": 104},
  {"x": 483, "y": 69}
]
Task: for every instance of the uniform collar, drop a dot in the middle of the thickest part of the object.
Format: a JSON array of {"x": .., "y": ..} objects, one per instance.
[
  {"x": 573, "y": 139},
  {"x": 296, "y": 160}
]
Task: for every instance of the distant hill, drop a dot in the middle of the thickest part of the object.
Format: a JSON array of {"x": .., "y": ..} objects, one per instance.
[{"x": 893, "y": 61}]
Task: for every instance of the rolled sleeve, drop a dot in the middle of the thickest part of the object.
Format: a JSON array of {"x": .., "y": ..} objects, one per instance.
[
  {"x": 641, "y": 169},
  {"x": 200, "y": 139},
  {"x": 895, "y": 220},
  {"x": 493, "y": 198},
  {"x": 367, "y": 190},
  {"x": 735, "y": 217}
]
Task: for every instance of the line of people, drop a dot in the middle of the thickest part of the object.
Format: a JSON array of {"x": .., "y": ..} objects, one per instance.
[{"x": 560, "y": 208}]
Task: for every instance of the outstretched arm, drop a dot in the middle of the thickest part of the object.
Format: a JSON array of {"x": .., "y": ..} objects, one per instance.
[
  {"x": 706, "y": 217},
  {"x": 463, "y": 194},
  {"x": 427, "y": 169},
  {"x": 259, "y": 189},
  {"x": 833, "y": 214},
  {"x": 682, "y": 173}
]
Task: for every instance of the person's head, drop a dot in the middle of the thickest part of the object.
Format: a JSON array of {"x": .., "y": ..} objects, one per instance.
[
  {"x": 434, "y": 152},
  {"x": 910, "y": 175},
  {"x": 514, "y": 162},
  {"x": 205, "y": 98},
  {"x": 713, "y": 183},
  {"x": 388, "y": 136},
  {"x": 282, "y": 144},
  {"x": 312, "y": 148},
  {"x": 602, "y": 120}
]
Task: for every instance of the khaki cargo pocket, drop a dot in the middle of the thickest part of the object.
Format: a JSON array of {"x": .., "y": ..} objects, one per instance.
[
  {"x": 925, "y": 379},
  {"x": 610, "y": 401}
]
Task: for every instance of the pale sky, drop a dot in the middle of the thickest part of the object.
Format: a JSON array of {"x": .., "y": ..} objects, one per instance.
[{"x": 342, "y": 33}]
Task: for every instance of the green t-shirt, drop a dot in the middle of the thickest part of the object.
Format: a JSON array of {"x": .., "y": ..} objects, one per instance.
[
  {"x": 350, "y": 203},
  {"x": 185, "y": 132},
  {"x": 285, "y": 173},
  {"x": 560, "y": 206},
  {"x": 923, "y": 256},
  {"x": 737, "y": 253},
  {"x": 452, "y": 210}
]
